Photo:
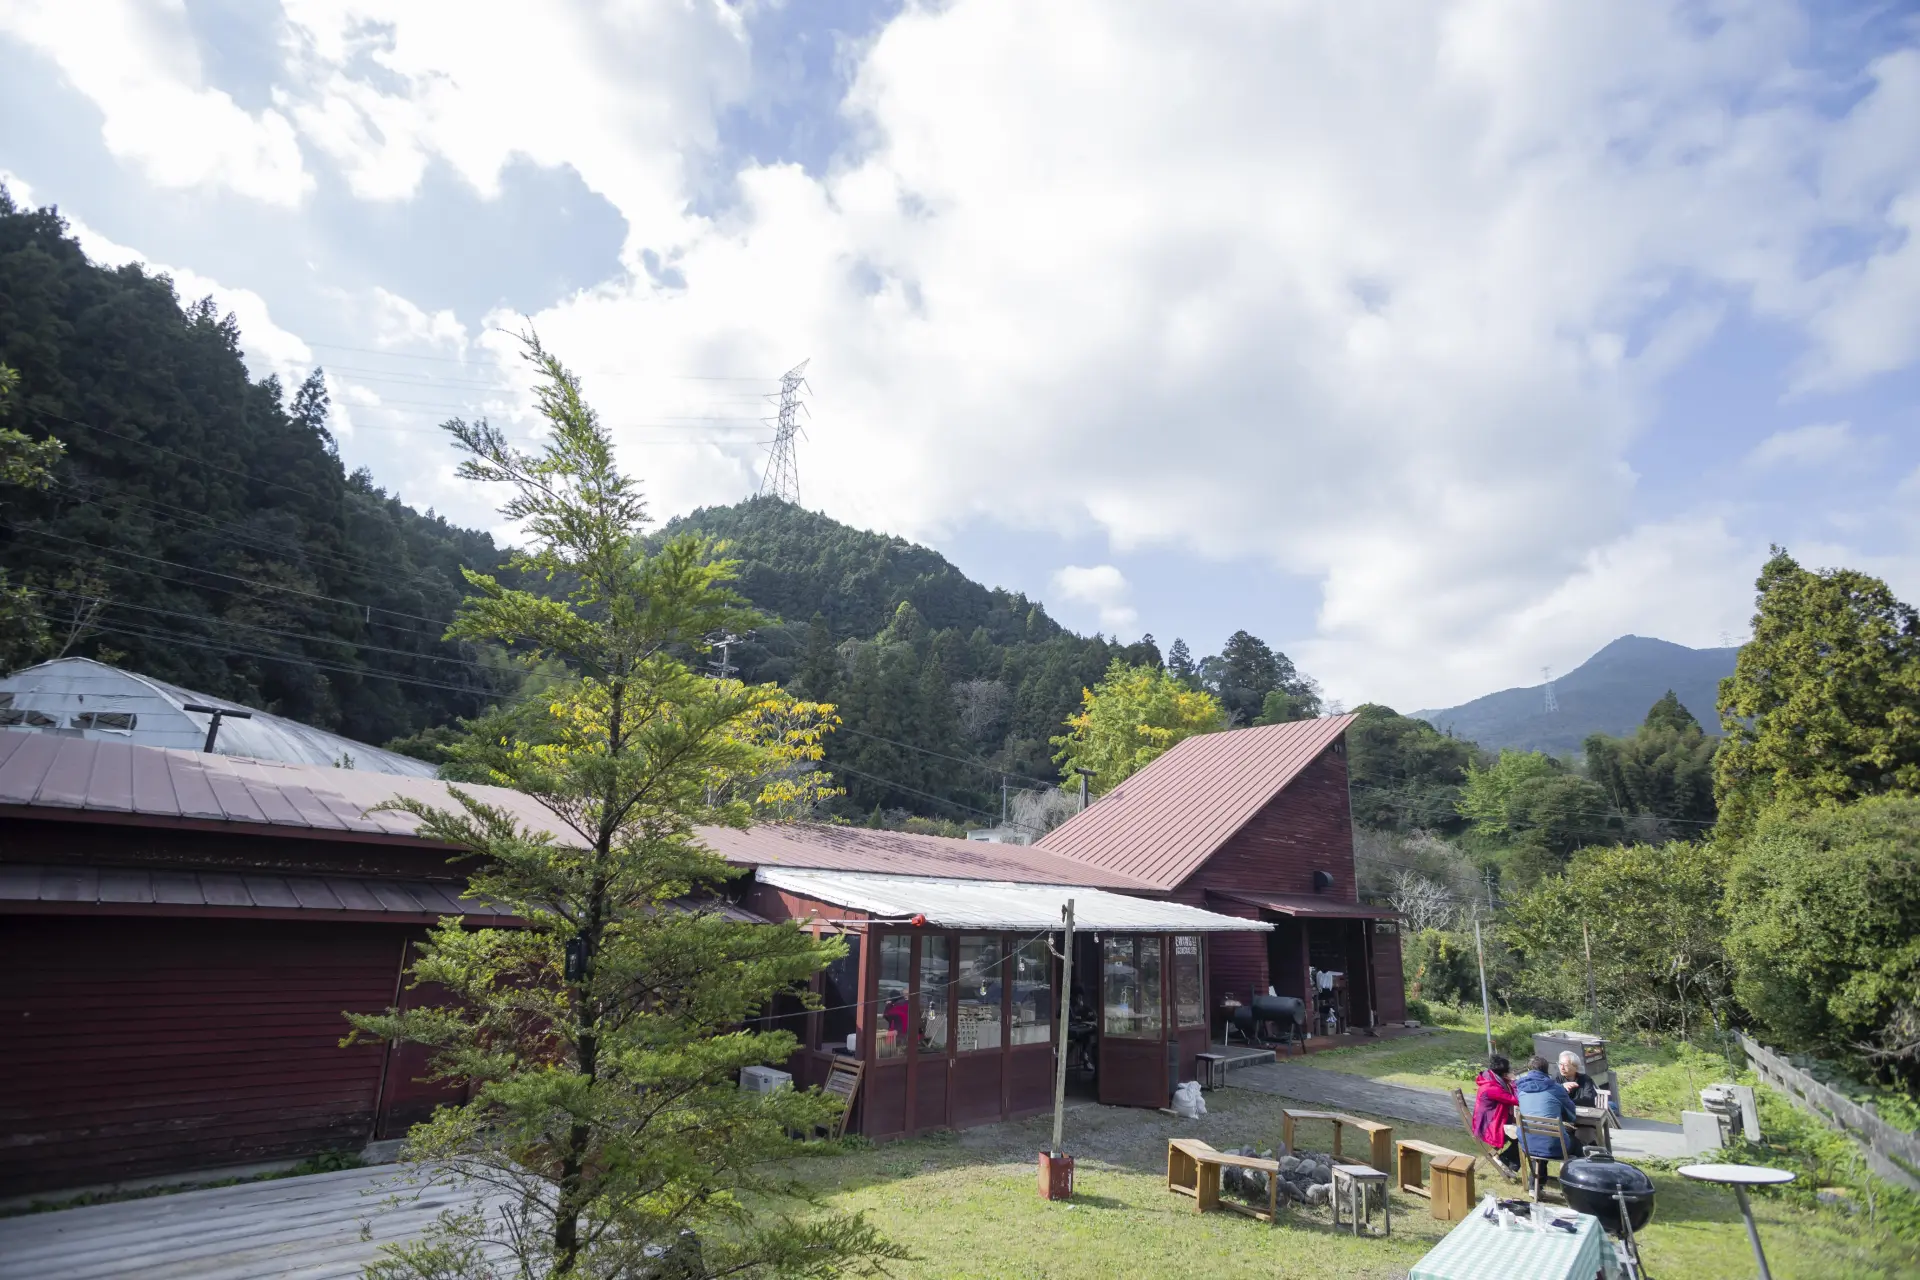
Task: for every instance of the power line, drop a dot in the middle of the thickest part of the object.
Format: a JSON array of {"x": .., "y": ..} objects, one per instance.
[{"x": 982, "y": 765}]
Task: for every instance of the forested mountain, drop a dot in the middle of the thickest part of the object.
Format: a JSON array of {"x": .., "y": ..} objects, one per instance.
[
  {"x": 200, "y": 527},
  {"x": 1608, "y": 693},
  {"x": 944, "y": 686}
]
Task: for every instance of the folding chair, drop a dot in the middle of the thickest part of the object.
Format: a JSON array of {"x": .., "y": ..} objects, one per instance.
[
  {"x": 1536, "y": 1166},
  {"x": 1466, "y": 1122}
]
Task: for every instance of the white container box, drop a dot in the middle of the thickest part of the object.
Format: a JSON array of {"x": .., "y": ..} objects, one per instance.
[{"x": 764, "y": 1079}]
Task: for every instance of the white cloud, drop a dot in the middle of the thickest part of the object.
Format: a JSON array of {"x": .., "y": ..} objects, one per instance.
[
  {"x": 1104, "y": 588},
  {"x": 1814, "y": 445},
  {"x": 138, "y": 65}
]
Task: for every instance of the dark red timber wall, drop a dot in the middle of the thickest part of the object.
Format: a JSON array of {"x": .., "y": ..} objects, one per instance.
[
  {"x": 1308, "y": 827},
  {"x": 1388, "y": 978},
  {"x": 140, "y": 1046}
]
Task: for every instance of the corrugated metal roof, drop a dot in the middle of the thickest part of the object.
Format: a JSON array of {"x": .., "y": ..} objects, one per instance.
[
  {"x": 70, "y": 687},
  {"x": 239, "y": 890},
  {"x": 999, "y": 904},
  {"x": 1158, "y": 826},
  {"x": 120, "y": 779},
  {"x": 91, "y": 776},
  {"x": 830, "y": 848},
  {"x": 1299, "y": 904}
]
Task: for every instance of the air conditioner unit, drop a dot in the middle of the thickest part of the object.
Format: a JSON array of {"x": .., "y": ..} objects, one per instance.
[{"x": 764, "y": 1079}]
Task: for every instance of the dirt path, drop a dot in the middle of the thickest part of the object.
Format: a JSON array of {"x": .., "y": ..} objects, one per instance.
[{"x": 1347, "y": 1092}]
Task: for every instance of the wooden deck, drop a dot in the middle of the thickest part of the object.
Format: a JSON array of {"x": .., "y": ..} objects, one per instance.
[{"x": 311, "y": 1228}]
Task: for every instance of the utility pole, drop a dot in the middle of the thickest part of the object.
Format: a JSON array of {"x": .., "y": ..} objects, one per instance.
[
  {"x": 1486, "y": 1006},
  {"x": 724, "y": 643},
  {"x": 1593, "y": 1001},
  {"x": 1085, "y": 774},
  {"x": 782, "y": 478},
  {"x": 1003, "y": 801},
  {"x": 213, "y": 725},
  {"x": 1066, "y": 1029}
]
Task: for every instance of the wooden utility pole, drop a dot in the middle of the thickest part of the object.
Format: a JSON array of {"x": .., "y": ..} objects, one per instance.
[
  {"x": 1066, "y": 1013},
  {"x": 1593, "y": 1002},
  {"x": 1486, "y": 1007}
]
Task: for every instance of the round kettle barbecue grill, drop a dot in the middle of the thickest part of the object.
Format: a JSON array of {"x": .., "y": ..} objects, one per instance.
[{"x": 1598, "y": 1184}]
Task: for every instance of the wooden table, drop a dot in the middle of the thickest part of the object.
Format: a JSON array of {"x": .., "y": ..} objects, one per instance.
[
  {"x": 1379, "y": 1136},
  {"x": 1594, "y": 1128},
  {"x": 1193, "y": 1169}
]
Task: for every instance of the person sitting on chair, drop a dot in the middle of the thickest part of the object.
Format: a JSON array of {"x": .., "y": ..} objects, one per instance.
[
  {"x": 1542, "y": 1098},
  {"x": 1493, "y": 1112},
  {"x": 1578, "y": 1084}
]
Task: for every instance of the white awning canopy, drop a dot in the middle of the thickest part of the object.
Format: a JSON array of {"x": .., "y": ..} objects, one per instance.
[{"x": 999, "y": 904}]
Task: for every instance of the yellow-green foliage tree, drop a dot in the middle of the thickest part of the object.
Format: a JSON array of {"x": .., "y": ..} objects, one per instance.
[
  {"x": 1823, "y": 707},
  {"x": 1129, "y": 719},
  {"x": 599, "y": 1044}
]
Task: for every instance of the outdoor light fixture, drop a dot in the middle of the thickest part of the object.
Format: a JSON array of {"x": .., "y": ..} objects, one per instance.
[
  {"x": 917, "y": 921},
  {"x": 213, "y": 725}
]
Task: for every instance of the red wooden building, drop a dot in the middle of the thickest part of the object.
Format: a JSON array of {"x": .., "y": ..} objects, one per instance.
[
  {"x": 1256, "y": 823},
  {"x": 181, "y": 932}
]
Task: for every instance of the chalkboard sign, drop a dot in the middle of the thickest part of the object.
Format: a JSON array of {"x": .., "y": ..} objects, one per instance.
[{"x": 843, "y": 1082}]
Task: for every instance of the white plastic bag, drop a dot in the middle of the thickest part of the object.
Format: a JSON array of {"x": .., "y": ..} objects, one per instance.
[{"x": 1187, "y": 1102}]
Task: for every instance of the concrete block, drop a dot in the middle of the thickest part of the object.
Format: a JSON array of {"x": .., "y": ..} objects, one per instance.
[
  {"x": 1749, "y": 1112},
  {"x": 1701, "y": 1131}
]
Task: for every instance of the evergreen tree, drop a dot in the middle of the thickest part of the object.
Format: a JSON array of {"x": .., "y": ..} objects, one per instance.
[
  {"x": 1823, "y": 707},
  {"x": 1180, "y": 662},
  {"x": 1665, "y": 770},
  {"x": 599, "y": 1044}
]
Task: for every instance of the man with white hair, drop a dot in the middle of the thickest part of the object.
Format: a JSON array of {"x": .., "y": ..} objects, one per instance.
[{"x": 1577, "y": 1083}]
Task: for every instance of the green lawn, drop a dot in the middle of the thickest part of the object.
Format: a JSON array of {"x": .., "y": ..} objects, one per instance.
[{"x": 967, "y": 1205}]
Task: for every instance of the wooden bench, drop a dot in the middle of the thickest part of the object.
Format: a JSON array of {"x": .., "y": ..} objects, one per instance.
[
  {"x": 1379, "y": 1136},
  {"x": 1451, "y": 1197},
  {"x": 1193, "y": 1169}
]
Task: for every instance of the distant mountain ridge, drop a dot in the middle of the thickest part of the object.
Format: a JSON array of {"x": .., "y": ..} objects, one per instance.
[{"x": 1608, "y": 693}]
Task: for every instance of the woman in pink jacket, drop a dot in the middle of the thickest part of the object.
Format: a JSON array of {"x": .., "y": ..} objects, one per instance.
[{"x": 1493, "y": 1111}]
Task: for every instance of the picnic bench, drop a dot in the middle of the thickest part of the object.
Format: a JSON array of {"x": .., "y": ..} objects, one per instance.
[
  {"x": 1379, "y": 1136},
  {"x": 1193, "y": 1169},
  {"x": 1451, "y": 1196}
]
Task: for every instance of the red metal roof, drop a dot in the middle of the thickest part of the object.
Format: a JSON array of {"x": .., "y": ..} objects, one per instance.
[
  {"x": 1158, "y": 826},
  {"x": 1300, "y": 904},
  {"x": 240, "y": 892},
  {"x": 816, "y": 846},
  {"x": 53, "y": 776}
]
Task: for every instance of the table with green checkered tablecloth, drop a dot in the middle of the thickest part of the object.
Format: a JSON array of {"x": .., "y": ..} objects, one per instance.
[{"x": 1482, "y": 1250}]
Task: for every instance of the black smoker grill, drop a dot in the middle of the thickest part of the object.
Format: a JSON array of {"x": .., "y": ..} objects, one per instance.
[{"x": 1271, "y": 1020}]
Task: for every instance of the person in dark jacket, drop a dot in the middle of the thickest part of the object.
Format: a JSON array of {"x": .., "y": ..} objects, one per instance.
[
  {"x": 1578, "y": 1084},
  {"x": 1493, "y": 1106},
  {"x": 1544, "y": 1098}
]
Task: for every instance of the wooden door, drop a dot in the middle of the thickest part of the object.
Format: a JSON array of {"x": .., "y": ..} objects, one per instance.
[{"x": 1133, "y": 1021}]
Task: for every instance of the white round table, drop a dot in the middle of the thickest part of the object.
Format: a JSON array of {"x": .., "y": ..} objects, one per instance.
[{"x": 1740, "y": 1177}]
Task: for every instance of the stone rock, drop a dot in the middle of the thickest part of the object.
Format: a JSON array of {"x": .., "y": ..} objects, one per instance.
[
  {"x": 1288, "y": 1164},
  {"x": 1318, "y": 1193}
]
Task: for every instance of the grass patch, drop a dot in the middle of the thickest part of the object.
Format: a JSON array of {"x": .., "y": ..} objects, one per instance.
[{"x": 968, "y": 1205}]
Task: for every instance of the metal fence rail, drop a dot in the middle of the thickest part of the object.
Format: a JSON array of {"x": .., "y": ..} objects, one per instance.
[{"x": 1892, "y": 1153}]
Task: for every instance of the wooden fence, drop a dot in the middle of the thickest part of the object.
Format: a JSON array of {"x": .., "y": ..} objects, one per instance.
[{"x": 1884, "y": 1144}]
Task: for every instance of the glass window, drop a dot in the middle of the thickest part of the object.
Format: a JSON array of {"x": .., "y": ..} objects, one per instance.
[
  {"x": 1131, "y": 981},
  {"x": 977, "y": 1014},
  {"x": 1189, "y": 1005},
  {"x": 840, "y": 1000},
  {"x": 890, "y": 1033},
  {"x": 930, "y": 1001},
  {"x": 123, "y": 720},
  {"x": 1033, "y": 1011}
]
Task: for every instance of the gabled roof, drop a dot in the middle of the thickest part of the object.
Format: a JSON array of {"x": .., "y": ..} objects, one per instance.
[
  {"x": 52, "y": 777},
  {"x": 817, "y": 846},
  {"x": 1158, "y": 826}
]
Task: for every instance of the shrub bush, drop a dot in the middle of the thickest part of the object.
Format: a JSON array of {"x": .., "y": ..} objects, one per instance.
[{"x": 1417, "y": 1011}]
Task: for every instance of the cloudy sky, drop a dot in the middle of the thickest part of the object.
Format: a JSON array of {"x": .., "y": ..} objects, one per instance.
[{"x": 1433, "y": 342}]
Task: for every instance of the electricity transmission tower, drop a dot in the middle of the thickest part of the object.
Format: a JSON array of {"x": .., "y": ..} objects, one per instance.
[
  {"x": 782, "y": 479},
  {"x": 1553, "y": 703}
]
